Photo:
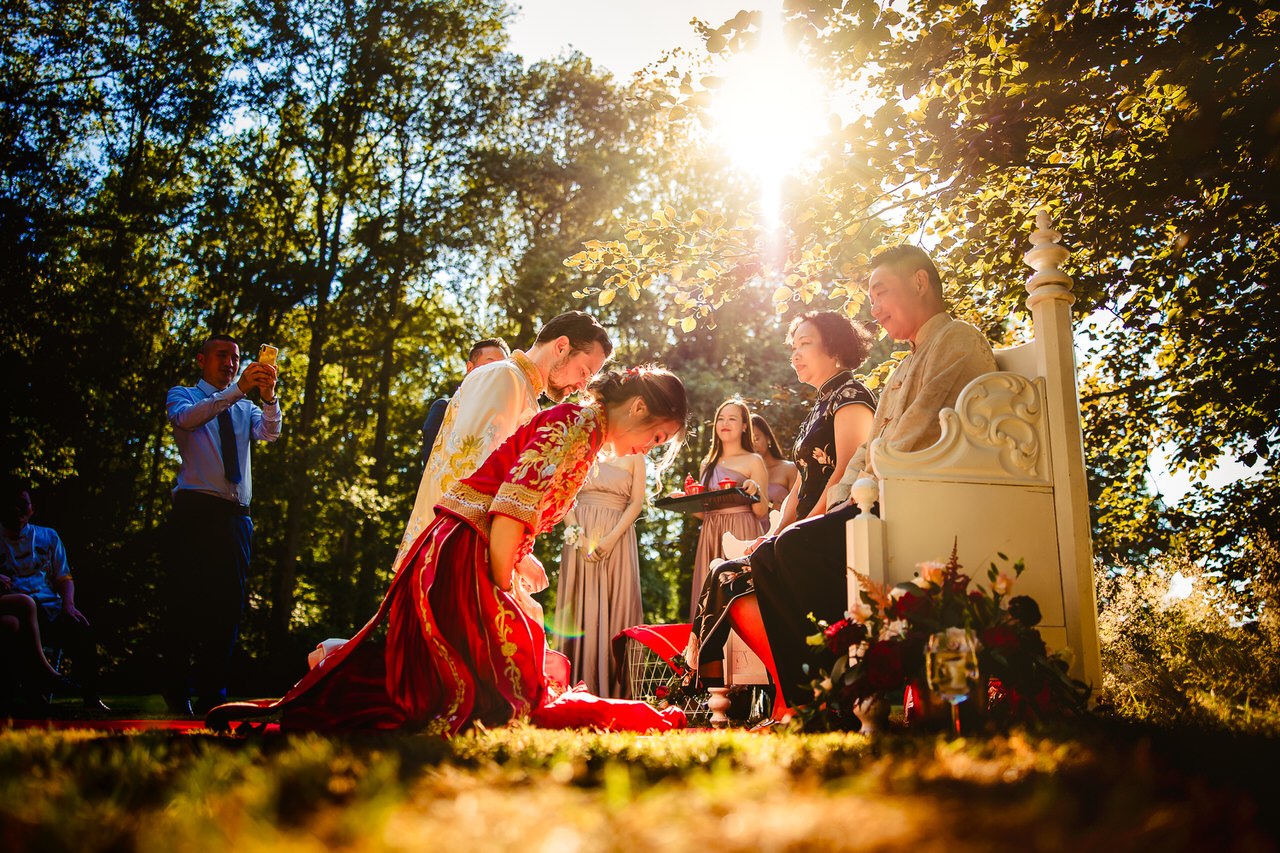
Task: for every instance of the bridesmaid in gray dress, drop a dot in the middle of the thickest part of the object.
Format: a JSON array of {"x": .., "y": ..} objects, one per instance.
[
  {"x": 782, "y": 472},
  {"x": 599, "y": 590}
]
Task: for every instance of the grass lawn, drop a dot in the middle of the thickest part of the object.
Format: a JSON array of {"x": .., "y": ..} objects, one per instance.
[{"x": 1111, "y": 786}]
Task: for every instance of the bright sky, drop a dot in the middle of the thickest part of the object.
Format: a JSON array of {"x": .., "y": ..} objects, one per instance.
[
  {"x": 622, "y": 37},
  {"x": 768, "y": 114}
]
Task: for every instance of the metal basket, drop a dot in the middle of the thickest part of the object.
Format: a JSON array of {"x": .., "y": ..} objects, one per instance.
[{"x": 647, "y": 671}]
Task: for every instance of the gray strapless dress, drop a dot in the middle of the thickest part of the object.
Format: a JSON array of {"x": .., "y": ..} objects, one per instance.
[{"x": 596, "y": 600}]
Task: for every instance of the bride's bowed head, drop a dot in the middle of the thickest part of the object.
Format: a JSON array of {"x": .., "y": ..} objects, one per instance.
[{"x": 644, "y": 407}]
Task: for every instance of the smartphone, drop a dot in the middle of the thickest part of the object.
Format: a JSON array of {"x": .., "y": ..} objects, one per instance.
[{"x": 267, "y": 354}]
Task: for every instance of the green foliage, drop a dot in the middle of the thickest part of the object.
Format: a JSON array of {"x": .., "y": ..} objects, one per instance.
[
  {"x": 1188, "y": 660},
  {"x": 369, "y": 187},
  {"x": 1152, "y": 135}
]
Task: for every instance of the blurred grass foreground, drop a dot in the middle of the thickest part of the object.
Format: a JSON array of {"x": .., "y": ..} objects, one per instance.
[
  {"x": 1117, "y": 786},
  {"x": 1180, "y": 756}
]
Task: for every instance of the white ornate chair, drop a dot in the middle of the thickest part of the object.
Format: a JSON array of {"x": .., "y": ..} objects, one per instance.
[{"x": 1007, "y": 476}]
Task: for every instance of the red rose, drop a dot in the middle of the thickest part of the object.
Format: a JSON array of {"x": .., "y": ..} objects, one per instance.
[
  {"x": 662, "y": 692},
  {"x": 883, "y": 666},
  {"x": 913, "y": 603},
  {"x": 1024, "y": 609},
  {"x": 999, "y": 637},
  {"x": 844, "y": 634},
  {"x": 1032, "y": 643}
]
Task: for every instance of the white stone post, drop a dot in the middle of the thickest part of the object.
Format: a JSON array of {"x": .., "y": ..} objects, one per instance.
[{"x": 1049, "y": 300}]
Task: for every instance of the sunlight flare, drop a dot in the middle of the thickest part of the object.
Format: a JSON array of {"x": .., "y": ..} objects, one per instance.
[{"x": 769, "y": 112}]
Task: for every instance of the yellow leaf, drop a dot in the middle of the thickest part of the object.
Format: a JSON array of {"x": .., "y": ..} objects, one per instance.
[
  {"x": 782, "y": 294},
  {"x": 688, "y": 324},
  {"x": 606, "y": 296}
]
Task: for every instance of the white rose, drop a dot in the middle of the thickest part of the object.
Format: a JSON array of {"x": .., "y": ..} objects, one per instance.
[
  {"x": 896, "y": 628},
  {"x": 959, "y": 640}
]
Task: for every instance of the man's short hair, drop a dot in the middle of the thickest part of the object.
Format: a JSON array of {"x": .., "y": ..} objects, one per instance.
[
  {"x": 488, "y": 342},
  {"x": 204, "y": 346},
  {"x": 906, "y": 260},
  {"x": 11, "y": 485},
  {"x": 580, "y": 328}
]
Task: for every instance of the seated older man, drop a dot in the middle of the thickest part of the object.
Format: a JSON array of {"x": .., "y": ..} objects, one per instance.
[{"x": 802, "y": 570}]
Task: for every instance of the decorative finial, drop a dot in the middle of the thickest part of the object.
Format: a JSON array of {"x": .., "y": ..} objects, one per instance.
[
  {"x": 865, "y": 493},
  {"x": 1046, "y": 256}
]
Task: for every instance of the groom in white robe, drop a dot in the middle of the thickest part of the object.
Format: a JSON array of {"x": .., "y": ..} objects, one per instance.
[{"x": 494, "y": 400}]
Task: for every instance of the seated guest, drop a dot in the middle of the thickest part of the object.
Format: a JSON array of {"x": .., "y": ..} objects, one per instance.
[
  {"x": 23, "y": 659},
  {"x": 825, "y": 347},
  {"x": 802, "y": 571},
  {"x": 33, "y": 564},
  {"x": 730, "y": 457},
  {"x": 782, "y": 472}
]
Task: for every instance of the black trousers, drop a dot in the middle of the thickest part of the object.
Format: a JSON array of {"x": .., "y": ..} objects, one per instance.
[
  {"x": 800, "y": 576},
  {"x": 76, "y": 640},
  {"x": 210, "y": 542}
]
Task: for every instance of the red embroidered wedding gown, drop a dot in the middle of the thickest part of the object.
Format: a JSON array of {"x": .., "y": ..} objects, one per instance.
[{"x": 447, "y": 648}]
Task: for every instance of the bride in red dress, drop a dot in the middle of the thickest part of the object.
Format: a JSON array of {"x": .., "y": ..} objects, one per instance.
[{"x": 450, "y": 645}]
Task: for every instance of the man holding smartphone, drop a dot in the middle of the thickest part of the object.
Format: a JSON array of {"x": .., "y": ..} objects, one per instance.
[{"x": 210, "y": 528}]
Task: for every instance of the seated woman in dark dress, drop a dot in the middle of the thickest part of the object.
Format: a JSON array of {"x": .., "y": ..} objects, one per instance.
[{"x": 825, "y": 347}]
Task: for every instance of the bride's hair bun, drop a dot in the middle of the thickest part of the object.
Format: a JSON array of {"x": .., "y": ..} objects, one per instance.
[{"x": 662, "y": 391}]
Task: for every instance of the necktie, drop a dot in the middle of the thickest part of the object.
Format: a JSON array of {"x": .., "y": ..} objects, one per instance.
[{"x": 230, "y": 457}]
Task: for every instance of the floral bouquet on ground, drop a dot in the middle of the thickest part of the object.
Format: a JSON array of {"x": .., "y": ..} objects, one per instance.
[
  {"x": 685, "y": 690},
  {"x": 880, "y": 645},
  {"x": 680, "y": 686}
]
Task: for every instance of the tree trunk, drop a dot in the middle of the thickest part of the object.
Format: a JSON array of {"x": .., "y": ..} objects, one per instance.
[
  {"x": 299, "y": 498},
  {"x": 373, "y": 542}
]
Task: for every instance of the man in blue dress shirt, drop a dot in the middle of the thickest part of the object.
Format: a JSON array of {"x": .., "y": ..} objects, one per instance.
[{"x": 211, "y": 532}]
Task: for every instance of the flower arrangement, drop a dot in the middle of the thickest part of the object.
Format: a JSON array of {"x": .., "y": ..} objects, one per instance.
[
  {"x": 880, "y": 644},
  {"x": 681, "y": 688},
  {"x": 572, "y": 535}
]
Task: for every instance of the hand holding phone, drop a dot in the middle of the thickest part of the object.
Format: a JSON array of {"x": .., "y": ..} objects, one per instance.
[{"x": 267, "y": 382}]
